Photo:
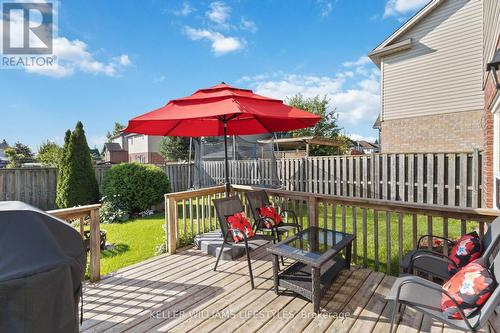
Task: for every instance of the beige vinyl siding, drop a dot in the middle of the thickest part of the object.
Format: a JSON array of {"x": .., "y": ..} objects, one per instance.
[
  {"x": 442, "y": 72},
  {"x": 491, "y": 27}
]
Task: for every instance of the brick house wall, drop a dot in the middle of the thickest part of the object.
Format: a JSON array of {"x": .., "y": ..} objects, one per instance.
[
  {"x": 116, "y": 157},
  {"x": 147, "y": 158},
  {"x": 488, "y": 158},
  {"x": 448, "y": 132}
]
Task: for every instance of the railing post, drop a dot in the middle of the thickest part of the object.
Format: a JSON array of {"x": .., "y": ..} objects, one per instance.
[
  {"x": 171, "y": 221},
  {"x": 95, "y": 246},
  {"x": 312, "y": 211}
]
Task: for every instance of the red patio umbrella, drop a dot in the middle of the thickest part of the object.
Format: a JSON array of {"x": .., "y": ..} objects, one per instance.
[{"x": 221, "y": 110}]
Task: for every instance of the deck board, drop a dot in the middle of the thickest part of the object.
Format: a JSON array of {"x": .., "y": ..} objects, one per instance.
[{"x": 182, "y": 293}]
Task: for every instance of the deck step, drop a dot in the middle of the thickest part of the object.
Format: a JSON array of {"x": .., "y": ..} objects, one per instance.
[{"x": 210, "y": 243}]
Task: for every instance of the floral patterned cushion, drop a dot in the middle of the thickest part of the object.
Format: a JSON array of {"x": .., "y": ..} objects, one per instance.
[
  {"x": 269, "y": 215},
  {"x": 467, "y": 249},
  {"x": 239, "y": 225},
  {"x": 470, "y": 287}
]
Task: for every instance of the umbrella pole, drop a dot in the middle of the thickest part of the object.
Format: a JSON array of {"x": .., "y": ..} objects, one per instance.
[{"x": 228, "y": 185}]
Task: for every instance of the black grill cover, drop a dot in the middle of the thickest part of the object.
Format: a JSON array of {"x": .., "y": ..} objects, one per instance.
[{"x": 42, "y": 264}]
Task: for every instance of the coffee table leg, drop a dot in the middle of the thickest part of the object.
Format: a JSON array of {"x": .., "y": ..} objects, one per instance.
[
  {"x": 316, "y": 285},
  {"x": 348, "y": 254},
  {"x": 275, "y": 272}
]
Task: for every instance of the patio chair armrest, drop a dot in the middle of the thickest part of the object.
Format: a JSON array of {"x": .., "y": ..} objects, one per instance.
[
  {"x": 436, "y": 288},
  {"x": 258, "y": 223},
  {"x": 449, "y": 241},
  {"x": 432, "y": 255},
  {"x": 295, "y": 218}
]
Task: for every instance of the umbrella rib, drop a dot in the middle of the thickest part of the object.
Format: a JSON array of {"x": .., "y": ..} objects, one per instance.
[
  {"x": 263, "y": 125},
  {"x": 173, "y": 127}
]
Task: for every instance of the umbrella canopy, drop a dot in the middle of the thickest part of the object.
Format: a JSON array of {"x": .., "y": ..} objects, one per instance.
[
  {"x": 221, "y": 110},
  {"x": 204, "y": 113}
]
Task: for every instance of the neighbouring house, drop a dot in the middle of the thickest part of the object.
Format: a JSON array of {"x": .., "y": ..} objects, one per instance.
[
  {"x": 436, "y": 94},
  {"x": 114, "y": 153},
  {"x": 144, "y": 148},
  {"x": 364, "y": 147},
  {"x": 432, "y": 71},
  {"x": 139, "y": 148}
]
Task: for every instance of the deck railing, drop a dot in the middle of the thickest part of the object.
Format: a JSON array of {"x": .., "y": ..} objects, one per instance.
[
  {"x": 384, "y": 229},
  {"x": 83, "y": 213}
]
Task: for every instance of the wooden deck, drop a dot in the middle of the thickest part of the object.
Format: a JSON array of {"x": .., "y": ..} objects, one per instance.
[{"x": 181, "y": 293}]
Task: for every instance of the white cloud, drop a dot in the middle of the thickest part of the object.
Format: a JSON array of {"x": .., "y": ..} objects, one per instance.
[
  {"x": 219, "y": 13},
  {"x": 73, "y": 55},
  {"x": 159, "y": 79},
  {"x": 359, "y": 62},
  {"x": 248, "y": 25},
  {"x": 220, "y": 43},
  {"x": 185, "y": 10},
  {"x": 291, "y": 84},
  {"x": 354, "y": 94},
  {"x": 401, "y": 7},
  {"x": 325, "y": 6},
  {"x": 357, "y": 137}
]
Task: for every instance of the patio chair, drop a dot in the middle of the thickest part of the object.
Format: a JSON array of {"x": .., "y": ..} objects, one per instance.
[
  {"x": 257, "y": 199},
  {"x": 226, "y": 207},
  {"x": 436, "y": 263},
  {"x": 425, "y": 296}
]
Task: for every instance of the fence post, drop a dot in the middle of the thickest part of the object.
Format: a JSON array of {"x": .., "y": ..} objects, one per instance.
[
  {"x": 95, "y": 246},
  {"x": 171, "y": 221},
  {"x": 312, "y": 211}
]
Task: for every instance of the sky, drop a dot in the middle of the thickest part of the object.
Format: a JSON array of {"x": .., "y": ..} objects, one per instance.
[{"x": 119, "y": 59}]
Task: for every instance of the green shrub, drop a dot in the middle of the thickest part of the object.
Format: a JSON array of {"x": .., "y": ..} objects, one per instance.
[
  {"x": 112, "y": 210},
  {"x": 139, "y": 186}
]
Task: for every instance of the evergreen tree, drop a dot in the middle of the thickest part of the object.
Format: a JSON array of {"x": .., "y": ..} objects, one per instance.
[
  {"x": 77, "y": 184},
  {"x": 61, "y": 194}
]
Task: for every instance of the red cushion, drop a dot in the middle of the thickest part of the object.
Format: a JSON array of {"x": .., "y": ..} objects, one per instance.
[
  {"x": 470, "y": 287},
  {"x": 467, "y": 249},
  {"x": 269, "y": 216},
  {"x": 239, "y": 224}
]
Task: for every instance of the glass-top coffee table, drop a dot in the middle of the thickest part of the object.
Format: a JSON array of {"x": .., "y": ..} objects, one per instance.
[{"x": 319, "y": 260}]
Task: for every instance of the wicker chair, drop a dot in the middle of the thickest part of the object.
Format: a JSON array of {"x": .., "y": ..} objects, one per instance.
[
  {"x": 257, "y": 199},
  {"x": 435, "y": 263},
  {"x": 226, "y": 207},
  {"x": 425, "y": 296}
]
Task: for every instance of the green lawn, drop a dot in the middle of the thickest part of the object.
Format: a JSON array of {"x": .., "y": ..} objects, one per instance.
[
  {"x": 188, "y": 229},
  {"x": 134, "y": 241}
]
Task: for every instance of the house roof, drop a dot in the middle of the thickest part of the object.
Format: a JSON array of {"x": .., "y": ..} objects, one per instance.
[
  {"x": 377, "y": 124},
  {"x": 388, "y": 47},
  {"x": 366, "y": 144},
  {"x": 113, "y": 146}
]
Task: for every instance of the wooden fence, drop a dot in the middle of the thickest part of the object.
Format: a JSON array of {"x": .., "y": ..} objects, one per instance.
[
  {"x": 453, "y": 179},
  {"x": 179, "y": 175},
  {"x": 37, "y": 186}
]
